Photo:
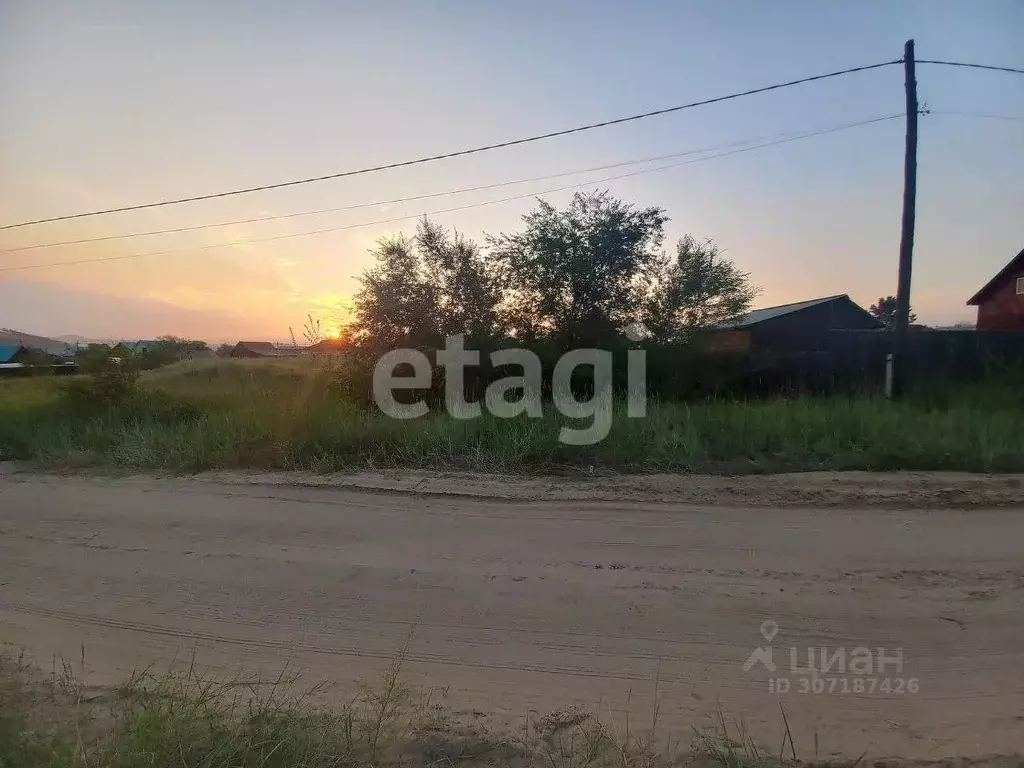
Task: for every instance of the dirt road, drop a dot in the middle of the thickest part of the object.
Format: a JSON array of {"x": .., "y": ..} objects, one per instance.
[{"x": 537, "y": 605}]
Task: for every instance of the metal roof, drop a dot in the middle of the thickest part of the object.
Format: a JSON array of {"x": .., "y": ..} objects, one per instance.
[
  {"x": 8, "y": 351},
  {"x": 30, "y": 341},
  {"x": 768, "y": 313}
]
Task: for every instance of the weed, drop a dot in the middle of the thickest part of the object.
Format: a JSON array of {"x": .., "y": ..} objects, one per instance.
[
  {"x": 187, "y": 719},
  {"x": 110, "y": 383},
  {"x": 298, "y": 414}
]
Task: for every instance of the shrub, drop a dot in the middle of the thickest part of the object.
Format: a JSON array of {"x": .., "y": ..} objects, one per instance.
[{"x": 112, "y": 384}]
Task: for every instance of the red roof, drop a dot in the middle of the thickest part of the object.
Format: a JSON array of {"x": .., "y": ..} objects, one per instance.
[{"x": 991, "y": 285}]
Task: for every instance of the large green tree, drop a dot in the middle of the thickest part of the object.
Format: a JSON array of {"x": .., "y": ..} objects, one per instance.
[
  {"x": 395, "y": 305},
  {"x": 697, "y": 288},
  {"x": 580, "y": 274},
  {"x": 425, "y": 288},
  {"x": 461, "y": 279}
]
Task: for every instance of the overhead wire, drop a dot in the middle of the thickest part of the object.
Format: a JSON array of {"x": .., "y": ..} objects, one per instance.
[
  {"x": 122, "y": 257},
  {"x": 986, "y": 115},
  {"x": 412, "y": 198},
  {"x": 458, "y": 153},
  {"x": 970, "y": 65}
]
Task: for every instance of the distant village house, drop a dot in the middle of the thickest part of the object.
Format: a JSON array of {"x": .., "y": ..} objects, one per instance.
[
  {"x": 12, "y": 355},
  {"x": 261, "y": 349},
  {"x": 326, "y": 347}
]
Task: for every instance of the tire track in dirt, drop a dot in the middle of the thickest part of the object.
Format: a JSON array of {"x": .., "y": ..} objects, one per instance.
[{"x": 523, "y": 604}]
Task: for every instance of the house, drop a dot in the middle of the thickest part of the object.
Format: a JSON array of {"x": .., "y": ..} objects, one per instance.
[
  {"x": 53, "y": 347},
  {"x": 791, "y": 327},
  {"x": 128, "y": 348},
  {"x": 1000, "y": 301},
  {"x": 260, "y": 349},
  {"x": 327, "y": 347},
  {"x": 121, "y": 350},
  {"x": 12, "y": 356},
  {"x": 17, "y": 358},
  {"x": 142, "y": 345}
]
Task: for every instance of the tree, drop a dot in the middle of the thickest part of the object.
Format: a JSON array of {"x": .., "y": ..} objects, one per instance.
[
  {"x": 885, "y": 310},
  {"x": 578, "y": 277},
  {"x": 168, "y": 349},
  {"x": 697, "y": 289},
  {"x": 396, "y": 305},
  {"x": 92, "y": 356},
  {"x": 581, "y": 274},
  {"x": 464, "y": 285},
  {"x": 424, "y": 289},
  {"x": 224, "y": 350}
]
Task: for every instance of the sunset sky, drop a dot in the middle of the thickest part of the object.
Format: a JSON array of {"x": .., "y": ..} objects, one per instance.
[{"x": 107, "y": 104}]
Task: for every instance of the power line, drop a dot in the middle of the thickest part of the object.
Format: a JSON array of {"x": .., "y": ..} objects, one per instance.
[
  {"x": 986, "y": 115},
  {"x": 971, "y": 66},
  {"x": 459, "y": 153},
  {"x": 122, "y": 257},
  {"x": 396, "y": 201}
]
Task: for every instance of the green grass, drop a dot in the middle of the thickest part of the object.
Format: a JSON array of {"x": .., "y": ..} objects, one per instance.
[
  {"x": 187, "y": 719},
  {"x": 296, "y": 415}
]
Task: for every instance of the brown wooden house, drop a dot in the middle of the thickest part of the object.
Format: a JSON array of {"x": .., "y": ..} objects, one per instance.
[{"x": 1000, "y": 302}]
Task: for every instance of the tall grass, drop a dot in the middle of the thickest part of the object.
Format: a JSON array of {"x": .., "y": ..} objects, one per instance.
[
  {"x": 188, "y": 719},
  {"x": 295, "y": 415}
]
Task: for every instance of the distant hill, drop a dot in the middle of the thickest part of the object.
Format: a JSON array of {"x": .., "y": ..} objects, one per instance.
[{"x": 48, "y": 345}]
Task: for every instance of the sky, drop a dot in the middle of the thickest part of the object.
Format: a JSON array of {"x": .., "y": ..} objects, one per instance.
[{"x": 109, "y": 103}]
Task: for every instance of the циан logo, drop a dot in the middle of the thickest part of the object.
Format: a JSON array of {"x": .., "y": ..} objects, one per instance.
[{"x": 858, "y": 670}]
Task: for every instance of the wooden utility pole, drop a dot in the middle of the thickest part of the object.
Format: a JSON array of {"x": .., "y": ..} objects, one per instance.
[{"x": 901, "y": 328}]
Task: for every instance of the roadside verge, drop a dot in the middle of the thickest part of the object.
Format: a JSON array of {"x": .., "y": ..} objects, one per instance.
[{"x": 897, "y": 490}]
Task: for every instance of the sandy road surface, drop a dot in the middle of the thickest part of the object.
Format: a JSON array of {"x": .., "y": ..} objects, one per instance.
[{"x": 519, "y": 605}]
